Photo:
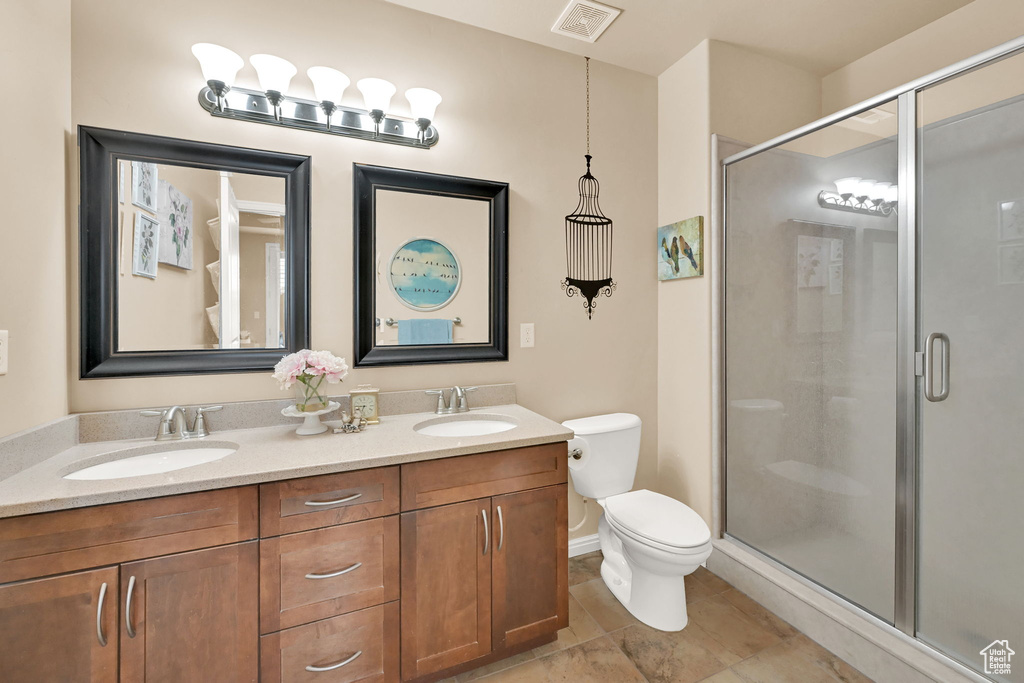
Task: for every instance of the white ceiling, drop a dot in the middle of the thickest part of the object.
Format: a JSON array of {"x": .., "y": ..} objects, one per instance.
[{"x": 819, "y": 36}]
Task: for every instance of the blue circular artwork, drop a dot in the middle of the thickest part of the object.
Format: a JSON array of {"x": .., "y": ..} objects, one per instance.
[{"x": 424, "y": 274}]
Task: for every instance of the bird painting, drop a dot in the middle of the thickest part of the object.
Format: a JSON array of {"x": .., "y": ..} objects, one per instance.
[{"x": 681, "y": 249}]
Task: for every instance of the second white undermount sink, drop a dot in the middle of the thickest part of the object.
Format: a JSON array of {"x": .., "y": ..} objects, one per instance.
[
  {"x": 153, "y": 459},
  {"x": 465, "y": 425}
]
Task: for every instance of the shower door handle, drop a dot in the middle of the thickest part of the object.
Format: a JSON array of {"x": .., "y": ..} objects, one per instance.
[{"x": 929, "y": 369}]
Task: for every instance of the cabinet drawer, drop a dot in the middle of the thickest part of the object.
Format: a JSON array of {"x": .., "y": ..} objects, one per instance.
[
  {"x": 373, "y": 632},
  {"x": 313, "y": 502},
  {"x": 58, "y": 542},
  {"x": 451, "y": 480},
  {"x": 325, "y": 572}
]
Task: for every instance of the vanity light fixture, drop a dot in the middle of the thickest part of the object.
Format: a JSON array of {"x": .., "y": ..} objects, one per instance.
[
  {"x": 220, "y": 66},
  {"x": 329, "y": 85},
  {"x": 588, "y": 238},
  {"x": 423, "y": 102},
  {"x": 377, "y": 94},
  {"x": 275, "y": 76},
  {"x": 272, "y": 105},
  {"x": 861, "y": 195}
]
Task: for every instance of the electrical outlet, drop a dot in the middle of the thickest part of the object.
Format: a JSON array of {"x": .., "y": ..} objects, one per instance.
[
  {"x": 3, "y": 352},
  {"x": 526, "y": 336}
]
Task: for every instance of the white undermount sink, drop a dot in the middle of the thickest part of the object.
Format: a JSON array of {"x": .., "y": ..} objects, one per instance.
[
  {"x": 477, "y": 424},
  {"x": 153, "y": 459}
]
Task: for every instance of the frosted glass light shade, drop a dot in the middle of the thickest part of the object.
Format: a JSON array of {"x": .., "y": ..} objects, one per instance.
[
  {"x": 377, "y": 93},
  {"x": 879, "y": 190},
  {"x": 274, "y": 73},
  {"x": 864, "y": 187},
  {"x": 328, "y": 84},
  {"x": 847, "y": 185},
  {"x": 218, "y": 63},
  {"x": 891, "y": 194},
  {"x": 423, "y": 102}
]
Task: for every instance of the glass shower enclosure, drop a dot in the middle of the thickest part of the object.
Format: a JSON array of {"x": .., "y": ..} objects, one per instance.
[{"x": 873, "y": 357}]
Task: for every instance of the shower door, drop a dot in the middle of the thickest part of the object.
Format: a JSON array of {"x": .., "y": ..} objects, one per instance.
[{"x": 970, "y": 305}]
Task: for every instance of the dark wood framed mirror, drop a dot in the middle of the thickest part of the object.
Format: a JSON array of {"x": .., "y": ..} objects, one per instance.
[
  {"x": 431, "y": 268},
  {"x": 194, "y": 257}
]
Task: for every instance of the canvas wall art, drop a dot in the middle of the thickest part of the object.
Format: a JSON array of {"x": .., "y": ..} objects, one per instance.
[
  {"x": 147, "y": 235},
  {"x": 144, "y": 185},
  {"x": 174, "y": 211},
  {"x": 424, "y": 274},
  {"x": 681, "y": 249}
]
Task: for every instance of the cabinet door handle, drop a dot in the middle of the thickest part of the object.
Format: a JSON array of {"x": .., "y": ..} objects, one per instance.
[
  {"x": 99, "y": 616},
  {"x": 128, "y": 608},
  {"x": 331, "y": 575},
  {"x": 318, "y": 503},
  {"x": 487, "y": 533},
  {"x": 501, "y": 529},
  {"x": 332, "y": 667}
]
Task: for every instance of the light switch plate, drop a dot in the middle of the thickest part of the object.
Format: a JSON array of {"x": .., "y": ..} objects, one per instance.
[
  {"x": 3, "y": 352},
  {"x": 526, "y": 336}
]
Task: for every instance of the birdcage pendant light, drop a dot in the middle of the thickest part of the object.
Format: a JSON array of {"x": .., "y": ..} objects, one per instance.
[{"x": 588, "y": 238}]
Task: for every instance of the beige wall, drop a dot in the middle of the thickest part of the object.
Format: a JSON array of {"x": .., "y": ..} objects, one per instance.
[
  {"x": 724, "y": 89},
  {"x": 36, "y": 57},
  {"x": 513, "y": 111},
  {"x": 974, "y": 28}
]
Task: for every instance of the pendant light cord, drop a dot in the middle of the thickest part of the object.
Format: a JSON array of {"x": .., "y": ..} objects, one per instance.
[{"x": 588, "y": 107}]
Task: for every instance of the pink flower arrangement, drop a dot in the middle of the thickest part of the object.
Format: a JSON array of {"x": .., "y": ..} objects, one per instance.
[{"x": 310, "y": 369}]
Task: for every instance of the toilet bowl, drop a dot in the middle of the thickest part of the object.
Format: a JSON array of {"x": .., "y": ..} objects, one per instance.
[{"x": 650, "y": 541}]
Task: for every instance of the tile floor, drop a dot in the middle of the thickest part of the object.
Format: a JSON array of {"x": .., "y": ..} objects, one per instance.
[{"x": 730, "y": 639}]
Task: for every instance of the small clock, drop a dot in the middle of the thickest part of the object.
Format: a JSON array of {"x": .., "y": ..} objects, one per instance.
[{"x": 364, "y": 397}]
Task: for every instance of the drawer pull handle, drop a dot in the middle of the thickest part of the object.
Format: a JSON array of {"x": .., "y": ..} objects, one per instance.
[
  {"x": 99, "y": 616},
  {"x": 128, "y": 608},
  {"x": 346, "y": 570},
  {"x": 332, "y": 667},
  {"x": 318, "y": 503}
]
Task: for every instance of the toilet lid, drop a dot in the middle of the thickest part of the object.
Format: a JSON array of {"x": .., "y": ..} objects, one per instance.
[{"x": 658, "y": 518}]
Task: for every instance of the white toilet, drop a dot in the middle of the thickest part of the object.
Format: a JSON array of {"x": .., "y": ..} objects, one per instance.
[{"x": 650, "y": 541}]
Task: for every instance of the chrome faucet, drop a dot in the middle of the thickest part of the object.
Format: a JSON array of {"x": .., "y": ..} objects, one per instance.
[
  {"x": 173, "y": 424},
  {"x": 458, "y": 402}
]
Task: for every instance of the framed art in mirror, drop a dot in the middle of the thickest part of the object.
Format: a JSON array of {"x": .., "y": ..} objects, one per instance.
[
  {"x": 431, "y": 262},
  {"x": 193, "y": 256}
]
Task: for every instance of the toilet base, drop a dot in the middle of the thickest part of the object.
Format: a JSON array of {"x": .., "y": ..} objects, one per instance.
[{"x": 656, "y": 599}]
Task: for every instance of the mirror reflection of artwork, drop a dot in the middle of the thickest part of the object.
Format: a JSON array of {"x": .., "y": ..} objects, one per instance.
[
  {"x": 174, "y": 211},
  {"x": 1011, "y": 220},
  {"x": 1011, "y": 264},
  {"x": 812, "y": 257},
  {"x": 147, "y": 233},
  {"x": 144, "y": 185},
  {"x": 681, "y": 249},
  {"x": 424, "y": 274}
]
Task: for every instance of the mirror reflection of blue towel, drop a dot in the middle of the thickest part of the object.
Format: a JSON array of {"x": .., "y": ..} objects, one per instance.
[{"x": 425, "y": 331}]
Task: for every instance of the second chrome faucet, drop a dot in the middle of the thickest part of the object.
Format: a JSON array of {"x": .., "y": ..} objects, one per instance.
[{"x": 458, "y": 402}]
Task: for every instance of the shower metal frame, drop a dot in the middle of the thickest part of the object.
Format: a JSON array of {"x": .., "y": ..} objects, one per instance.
[{"x": 908, "y": 333}]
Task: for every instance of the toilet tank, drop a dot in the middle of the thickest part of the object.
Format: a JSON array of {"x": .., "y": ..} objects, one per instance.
[{"x": 610, "y": 446}]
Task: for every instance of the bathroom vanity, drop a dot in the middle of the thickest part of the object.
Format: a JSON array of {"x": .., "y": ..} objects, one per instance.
[{"x": 425, "y": 566}]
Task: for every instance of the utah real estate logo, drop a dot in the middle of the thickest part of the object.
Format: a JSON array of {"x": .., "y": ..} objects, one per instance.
[{"x": 997, "y": 657}]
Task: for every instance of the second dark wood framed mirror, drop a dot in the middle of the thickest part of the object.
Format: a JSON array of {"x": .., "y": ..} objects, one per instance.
[{"x": 431, "y": 262}]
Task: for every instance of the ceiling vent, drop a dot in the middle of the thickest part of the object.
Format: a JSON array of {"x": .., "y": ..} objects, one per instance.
[{"x": 585, "y": 20}]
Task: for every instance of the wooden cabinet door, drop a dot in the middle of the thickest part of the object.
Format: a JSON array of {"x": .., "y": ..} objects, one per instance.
[
  {"x": 192, "y": 616},
  {"x": 446, "y": 586},
  {"x": 531, "y": 556},
  {"x": 58, "y": 629}
]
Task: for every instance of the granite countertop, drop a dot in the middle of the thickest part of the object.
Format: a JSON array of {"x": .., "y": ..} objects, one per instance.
[{"x": 264, "y": 454}]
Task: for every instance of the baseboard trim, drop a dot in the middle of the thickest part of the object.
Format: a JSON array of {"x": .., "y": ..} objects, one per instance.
[{"x": 583, "y": 545}]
